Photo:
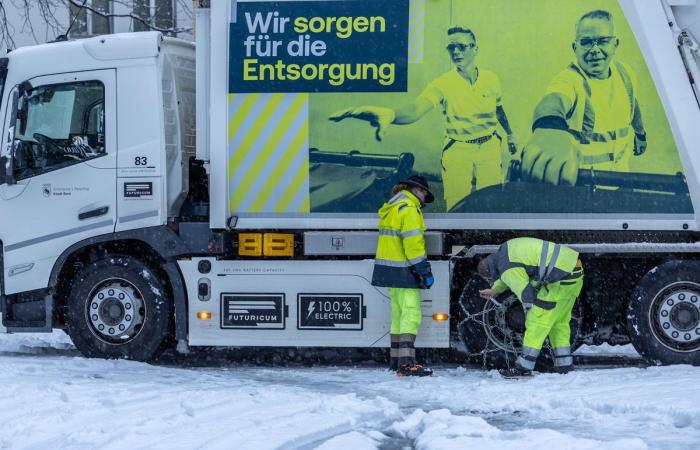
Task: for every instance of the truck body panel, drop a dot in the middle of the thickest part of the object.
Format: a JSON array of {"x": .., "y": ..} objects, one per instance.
[
  {"x": 148, "y": 193},
  {"x": 309, "y": 303}
]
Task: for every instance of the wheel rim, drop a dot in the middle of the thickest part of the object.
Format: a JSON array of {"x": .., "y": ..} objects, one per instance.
[
  {"x": 674, "y": 316},
  {"x": 504, "y": 324},
  {"x": 115, "y": 311}
]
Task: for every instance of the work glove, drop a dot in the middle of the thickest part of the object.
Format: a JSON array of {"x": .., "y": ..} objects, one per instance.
[
  {"x": 640, "y": 143},
  {"x": 512, "y": 144},
  {"x": 424, "y": 274},
  {"x": 380, "y": 118},
  {"x": 551, "y": 156}
]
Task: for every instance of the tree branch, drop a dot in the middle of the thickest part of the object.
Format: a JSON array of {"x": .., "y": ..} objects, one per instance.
[{"x": 133, "y": 16}]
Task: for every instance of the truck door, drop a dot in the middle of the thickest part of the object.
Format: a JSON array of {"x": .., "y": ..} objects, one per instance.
[{"x": 64, "y": 168}]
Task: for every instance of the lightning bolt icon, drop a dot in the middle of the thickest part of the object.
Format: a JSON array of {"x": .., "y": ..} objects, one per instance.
[{"x": 311, "y": 309}]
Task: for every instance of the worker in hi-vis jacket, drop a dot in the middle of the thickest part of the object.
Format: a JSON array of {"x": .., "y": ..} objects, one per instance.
[
  {"x": 547, "y": 278},
  {"x": 402, "y": 265}
]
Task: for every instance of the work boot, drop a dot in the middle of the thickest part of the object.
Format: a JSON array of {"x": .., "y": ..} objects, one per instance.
[
  {"x": 414, "y": 370},
  {"x": 393, "y": 364},
  {"x": 516, "y": 371},
  {"x": 563, "y": 369}
]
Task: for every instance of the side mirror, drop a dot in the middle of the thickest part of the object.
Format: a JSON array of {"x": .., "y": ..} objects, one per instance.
[{"x": 24, "y": 89}]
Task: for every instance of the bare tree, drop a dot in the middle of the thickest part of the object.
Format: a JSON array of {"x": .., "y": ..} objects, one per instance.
[{"x": 47, "y": 19}]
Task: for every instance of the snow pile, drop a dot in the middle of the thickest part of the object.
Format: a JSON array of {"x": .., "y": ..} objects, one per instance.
[
  {"x": 54, "y": 398},
  {"x": 441, "y": 430}
]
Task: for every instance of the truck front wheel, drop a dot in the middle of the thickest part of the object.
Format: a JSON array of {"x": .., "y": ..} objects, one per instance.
[
  {"x": 117, "y": 309},
  {"x": 663, "y": 318}
]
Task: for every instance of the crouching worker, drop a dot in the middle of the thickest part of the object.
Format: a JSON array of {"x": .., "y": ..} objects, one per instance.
[
  {"x": 547, "y": 278},
  {"x": 402, "y": 265}
]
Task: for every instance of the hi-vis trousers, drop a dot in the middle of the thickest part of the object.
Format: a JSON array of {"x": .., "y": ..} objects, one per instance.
[
  {"x": 468, "y": 167},
  {"x": 405, "y": 322},
  {"x": 550, "y": 317}
]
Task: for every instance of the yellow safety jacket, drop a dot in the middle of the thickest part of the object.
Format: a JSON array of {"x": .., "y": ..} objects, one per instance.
[
  {"x": 568, "y": 106},
  {"x": 524, "y": 264},
  {"x": 401, "y": 259}
]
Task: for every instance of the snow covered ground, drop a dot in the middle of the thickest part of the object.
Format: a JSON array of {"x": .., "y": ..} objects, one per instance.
[{"x": 52, "y": 398}]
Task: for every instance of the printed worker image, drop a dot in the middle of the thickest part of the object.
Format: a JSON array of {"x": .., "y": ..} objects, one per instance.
[
  {"x": 589, "y": 117},
  {"x": 547, "y": 278},
  {"x": 470, "y": 99},
  {"x": 402, "y": 265}
]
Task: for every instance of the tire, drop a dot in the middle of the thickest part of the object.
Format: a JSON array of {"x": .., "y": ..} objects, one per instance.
[
  {"x": 493, "y": 334},
  {"x": 98, "y": 318},
  {"x": 663, "y": 317}
]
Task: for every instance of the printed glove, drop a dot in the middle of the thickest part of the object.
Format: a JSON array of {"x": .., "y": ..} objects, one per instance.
[
  {"x": 380, "y": 118},
  {"x": 640, "y": 143},
  {"x": 551, "y": 156},
  {"x": 512, "y": 144}
]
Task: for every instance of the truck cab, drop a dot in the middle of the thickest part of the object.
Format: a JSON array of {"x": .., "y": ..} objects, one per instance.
[{"x": 97, "y": 137}]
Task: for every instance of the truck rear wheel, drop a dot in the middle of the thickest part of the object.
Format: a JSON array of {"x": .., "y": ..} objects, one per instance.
[
  {"x": 494, "y": 332},
  {"x": 663, "y": 318},
  {"x": 117, "y": 309}
]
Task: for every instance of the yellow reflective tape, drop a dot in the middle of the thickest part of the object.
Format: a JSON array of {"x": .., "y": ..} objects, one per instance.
[
  {"x": 416, "y": 31},
  {"x": 250, "y": 176},
  {"x": 252, "y": 133},
  {"x": 291, "y": 152},
  {"x": 301, "y": 177},
  {"x": 306, "y": 204},
  {"x": 268, "y": 149},
  {"x": 241, "y": 113}
]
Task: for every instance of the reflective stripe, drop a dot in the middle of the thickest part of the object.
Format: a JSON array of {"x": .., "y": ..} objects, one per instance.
[
  {"x": 417, "y": 260},
  {"x": 555, "y": 255},
  {"x": 545, "y": 304},
  {"x": 543, "y": 260},
  {"x": 575, "y": 275},
  {"x": 525, "y": 363},
  {"x": 410, "y": 233},
  {"x": 544, "y": 269},
  {"x": 386, "y": 262},
  {"x": 531, "y": 352},
  {"x": 563, "y": 361},
  {"x": 562, "y": 351},
  {"x": 597, "y": 159},
  {"x": 606, "y": 136},
  {"x": 407, "y": 352},
  {"x": 389, "y": 232},
  {"x": 397, "y": 197}
]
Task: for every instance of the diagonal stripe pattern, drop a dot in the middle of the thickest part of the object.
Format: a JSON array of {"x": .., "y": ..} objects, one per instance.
[
  {"x": 268, "y": 153},
  {"x": 416, "y": 31}
]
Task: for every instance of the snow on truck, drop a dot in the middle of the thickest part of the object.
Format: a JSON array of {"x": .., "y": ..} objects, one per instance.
[{"x": 151, "y": 198}]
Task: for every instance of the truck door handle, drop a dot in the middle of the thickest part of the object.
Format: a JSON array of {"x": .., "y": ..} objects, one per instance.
[{"x": 101, "y": 211}]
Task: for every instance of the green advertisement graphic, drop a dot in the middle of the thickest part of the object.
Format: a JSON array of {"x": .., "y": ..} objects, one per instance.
[
  {"x": 542, "y": 106},
  {"x": 514, "y": 107}
]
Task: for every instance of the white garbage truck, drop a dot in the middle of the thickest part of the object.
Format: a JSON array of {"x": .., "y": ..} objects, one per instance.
[{"x": 157, "y": 194}]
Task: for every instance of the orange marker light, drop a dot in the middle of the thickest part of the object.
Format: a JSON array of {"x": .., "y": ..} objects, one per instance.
[
  {"x": 204, "y": 315},
  {"x": 441, "y": 316}
]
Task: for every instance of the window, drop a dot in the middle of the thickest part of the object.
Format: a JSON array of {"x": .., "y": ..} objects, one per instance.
[
  {"x": 88, "y": 22},
  {"x": 157, "y": 13},
  {"x": 64, "y": 126}
]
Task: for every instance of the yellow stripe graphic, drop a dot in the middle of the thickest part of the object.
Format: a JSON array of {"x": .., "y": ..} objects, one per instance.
[
  {"x": 416, "y": 31},
  {"x": 259, "y": 156},
  {"x": 301, "y": 178},
  {"x": 282, "y": 166}
]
